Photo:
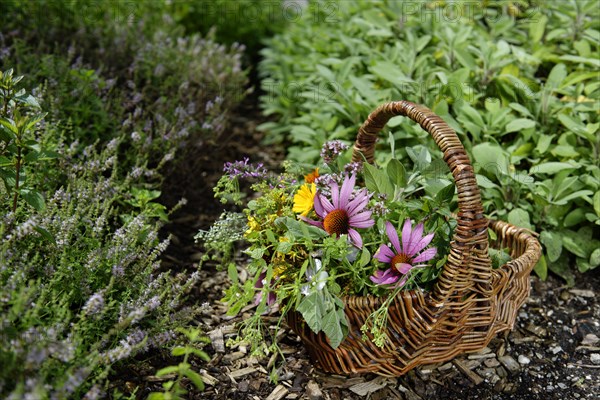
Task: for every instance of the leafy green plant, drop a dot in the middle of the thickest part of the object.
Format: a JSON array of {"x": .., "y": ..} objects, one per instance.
[
  {"x": 20, "y": 146},
  {"x": 174, "y": 389},
  {"x": 518, "y": 82}
]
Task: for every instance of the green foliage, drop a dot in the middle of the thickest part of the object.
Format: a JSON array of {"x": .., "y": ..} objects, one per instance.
[
  {"x": 174, "y": 388},
  {"x": 20, "y": 146},
  {"x": 518, "y": 82}
]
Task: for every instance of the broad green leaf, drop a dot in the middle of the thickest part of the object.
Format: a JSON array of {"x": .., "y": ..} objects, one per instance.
[
  {"x": 594, "y": 62},
  {"x": 397, "y": 172},
  {"x": 377, "y": 181},
  {"x": 543, "y": 143},
  {"x": 576, "y": 127},
  {"x": 445, "y": 195},
  {"x": 490, "y": 157},
  {"x": 574, "y": 217},
  {"x": 557, "y": 75},
  {"x": 562, "y": 268},
  {"x": 551, "y": 168},
  {"x": 541, "y": 268},
  {"x": 365, "y": 258},
  {"x": 179, "y": 351},
  {"x": 519, "y": 218},
  {"x": 553, "y": 244},
  {"x": 34, "y": 199},
  {"x": 311, "y": 309},
  {"x": 537, "y": 28},
  {"x": 519, "y": 124},
  {"x": 597, "y": 203},
  {"x": 233, "y": 273},
  {"x": 332, "y": 327},
  {"x": 578, "y": 194},
  {"x": 575, "y": 243},
  {"x": 391, "y": 72},
  {"x": 284, "y": 247}
]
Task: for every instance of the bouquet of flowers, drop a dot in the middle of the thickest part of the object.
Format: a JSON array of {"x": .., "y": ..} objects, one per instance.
[{"x": 315, "y": 235}]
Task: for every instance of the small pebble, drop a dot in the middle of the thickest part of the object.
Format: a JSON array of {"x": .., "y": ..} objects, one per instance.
[
  {"x": 523, "y": 359},
  {"x": 595, "y": 358},
  {"x": 556, "y": 349}
]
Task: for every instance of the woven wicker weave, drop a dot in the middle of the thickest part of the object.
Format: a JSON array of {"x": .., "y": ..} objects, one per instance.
[{"x": 470, "y": 303}]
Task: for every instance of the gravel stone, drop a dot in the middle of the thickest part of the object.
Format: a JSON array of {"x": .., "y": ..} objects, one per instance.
[{"x": 524, "y": 359}]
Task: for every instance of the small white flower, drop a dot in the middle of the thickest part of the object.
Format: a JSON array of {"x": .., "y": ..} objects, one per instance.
[{"x": 316, "y": 277}]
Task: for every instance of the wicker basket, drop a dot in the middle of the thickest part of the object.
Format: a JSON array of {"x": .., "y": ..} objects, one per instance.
[{"x": 470, "y": 303}]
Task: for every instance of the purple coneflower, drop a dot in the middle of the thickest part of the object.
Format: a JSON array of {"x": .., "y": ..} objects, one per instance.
[
  {"x": 340, "y": 215},
  {"x": 405, "y": 257}
]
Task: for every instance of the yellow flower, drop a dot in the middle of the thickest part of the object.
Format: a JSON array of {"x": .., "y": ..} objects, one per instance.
[
  {"x": 253, "y": 225},
  {"x": 304, "y": 199}
]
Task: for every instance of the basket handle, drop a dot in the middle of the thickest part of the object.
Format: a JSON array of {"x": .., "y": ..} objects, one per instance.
[{"x": 470, "y": 235}]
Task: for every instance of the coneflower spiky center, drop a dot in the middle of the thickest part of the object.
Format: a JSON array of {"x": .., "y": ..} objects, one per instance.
[
  {"x": 337, "y": 222},
  {"x": 400, "y": 259}
]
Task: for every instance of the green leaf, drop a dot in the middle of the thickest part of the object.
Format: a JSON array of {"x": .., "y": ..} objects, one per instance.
[
  {"x": 575, "y": 243},
  {"x": 391, "y": 72},
  {"x": 446, "y": 195},
  {"x": 576, "y": 127},
  {"x": 597, "y": 203},
  {"x": 519, "y": 124},
  {"x": 179, "y": 351},
  {"x": 233, "y": 273},
  {"x": 284, "y": 247},
  {"x": 562, "y": 268},
  {"x": 541, "y": 268},
  {"x": 574, "y": 217},
  {"x": 34, "y": 199},
  {"x": 45, "y": 234},
  {"x": 195, "y": 378},
  {"x": 519, "y": 218},
  {"x": 551, "y": 168},
  {"x": 537, "y": 28},
  {"x": 553, "y": 244},
  {"x": 301, "y": 229},
  {"x": 595, "y": 258},
  {"x": 168, "y": 370},
  {"x": 365, "y": 258},
  {"x": 377, "y": 181},
  {"x": 397, "y": 172},
  {"x": 490, "y": 157},
  {"x": 311, "y": 309},
  {"x": 557, "y": 75},
  {"x": 332, "y": 327}
]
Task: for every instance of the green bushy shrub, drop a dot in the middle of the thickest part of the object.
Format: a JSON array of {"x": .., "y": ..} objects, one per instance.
[{"x": 518, "y": 81}]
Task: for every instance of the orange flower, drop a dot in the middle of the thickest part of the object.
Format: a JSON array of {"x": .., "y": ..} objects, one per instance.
[{"x": 310, "y": 178}]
